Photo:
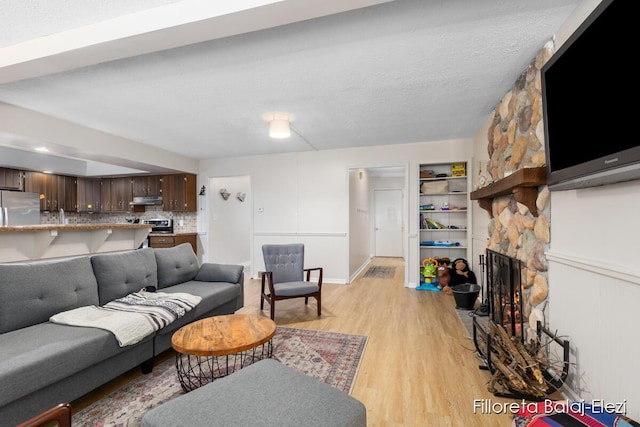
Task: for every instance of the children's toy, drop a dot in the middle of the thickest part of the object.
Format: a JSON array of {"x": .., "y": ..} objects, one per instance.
[
  {"x": 429, "y": 269},
  {"x": 444, "y": 278},
  {"x": 461, "y": 273}
]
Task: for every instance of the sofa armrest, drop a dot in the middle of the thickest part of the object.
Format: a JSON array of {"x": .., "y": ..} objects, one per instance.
[{"x": 230, "y": 273}]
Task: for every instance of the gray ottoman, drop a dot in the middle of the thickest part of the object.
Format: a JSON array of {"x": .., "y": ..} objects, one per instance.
[{"x": 267, "y": 394}]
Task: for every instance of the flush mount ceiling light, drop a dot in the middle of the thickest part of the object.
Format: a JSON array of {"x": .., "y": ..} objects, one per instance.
[{"x": 279, "y": 127}]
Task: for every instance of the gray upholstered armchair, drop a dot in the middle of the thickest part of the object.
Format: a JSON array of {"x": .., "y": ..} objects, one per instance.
[{"x": 285, "y": 276}]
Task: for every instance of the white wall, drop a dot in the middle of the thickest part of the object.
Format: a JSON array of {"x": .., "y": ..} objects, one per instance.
[
  {"x": 230, "y": 220},
  {"x": 304, "y": 197},
  {"x": 594, "y": 288}
]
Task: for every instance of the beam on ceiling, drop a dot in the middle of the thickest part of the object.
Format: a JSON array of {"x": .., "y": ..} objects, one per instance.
[{"x": 160, "y": 28}]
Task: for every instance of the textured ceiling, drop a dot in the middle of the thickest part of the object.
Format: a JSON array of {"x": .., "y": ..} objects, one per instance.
[
  {"x": 397, "y": 72},
  {"x": 24, "y": 20}
]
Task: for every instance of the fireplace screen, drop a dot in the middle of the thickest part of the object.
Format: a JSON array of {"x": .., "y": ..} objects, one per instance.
[{"x": 505, "y": 292}]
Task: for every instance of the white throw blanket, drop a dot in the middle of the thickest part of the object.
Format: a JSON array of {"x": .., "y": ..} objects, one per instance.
[{"x": 133, "y": 317}]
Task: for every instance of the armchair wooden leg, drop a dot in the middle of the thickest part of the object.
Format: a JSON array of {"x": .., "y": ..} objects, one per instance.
[
  {"x": 273, "y": 309},
  {"x": 261, "y": 302},
  {"x": 318, "y": 299},
  {"x": 306, "y": 300}
]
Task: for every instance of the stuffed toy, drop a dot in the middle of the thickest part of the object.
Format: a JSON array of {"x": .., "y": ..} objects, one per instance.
[
  {"x": 444, "y": 261},
  {"x": 461, "y": 273},
  {"x": 444, "y": 278}
]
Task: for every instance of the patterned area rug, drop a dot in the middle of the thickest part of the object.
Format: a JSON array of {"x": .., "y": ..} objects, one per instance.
[
  {"x": 380, "y": 272},
  {"x": 331, "y": 357}
]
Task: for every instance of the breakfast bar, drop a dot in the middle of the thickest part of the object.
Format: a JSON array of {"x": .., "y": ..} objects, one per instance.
[{"x": 33, "y": 242}]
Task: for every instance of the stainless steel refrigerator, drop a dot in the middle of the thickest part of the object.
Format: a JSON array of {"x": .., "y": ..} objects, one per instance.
[{"x": 18, "y": 208}]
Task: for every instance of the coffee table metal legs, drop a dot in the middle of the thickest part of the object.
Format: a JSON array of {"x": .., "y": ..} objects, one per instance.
[{"x": 196, "y": 371}]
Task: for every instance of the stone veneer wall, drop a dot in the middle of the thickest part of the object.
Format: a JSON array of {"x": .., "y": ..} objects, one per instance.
[{"x": 515, "y": 141}]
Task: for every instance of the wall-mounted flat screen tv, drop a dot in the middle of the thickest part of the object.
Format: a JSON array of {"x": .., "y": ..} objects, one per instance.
[{"x": 589, "y": 89}]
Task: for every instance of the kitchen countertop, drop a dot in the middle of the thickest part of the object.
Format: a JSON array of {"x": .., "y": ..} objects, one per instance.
[
  {"x": 73, "y": 227},
  {"x": 42, "y": 241}
]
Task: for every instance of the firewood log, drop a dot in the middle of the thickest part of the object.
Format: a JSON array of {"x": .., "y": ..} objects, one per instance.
[
  {"x": 531, "y": 363},
  {"x": 512, "y": 377}
]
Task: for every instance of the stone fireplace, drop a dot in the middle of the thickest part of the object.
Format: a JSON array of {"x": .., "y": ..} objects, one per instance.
[{"x": 514, "y": 191}]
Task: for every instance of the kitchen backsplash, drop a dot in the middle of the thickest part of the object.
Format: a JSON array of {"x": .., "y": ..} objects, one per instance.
[{"x": 190, "y": 219}]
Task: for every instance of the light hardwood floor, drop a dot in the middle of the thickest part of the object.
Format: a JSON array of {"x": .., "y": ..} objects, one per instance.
[{"x": 419, "y": 367}]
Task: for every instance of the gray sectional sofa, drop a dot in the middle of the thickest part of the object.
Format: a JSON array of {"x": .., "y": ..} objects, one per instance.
[{"x": 44, "y": 363}]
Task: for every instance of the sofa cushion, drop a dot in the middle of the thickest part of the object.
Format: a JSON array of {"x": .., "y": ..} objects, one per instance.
[
  {"x": 32, "y": 292},
  {"x": 176, "y": 265},
  {"x": 121, "y": 273},
  {"x": 34, "y": 357},
  {"x": 214, "y": 294}
]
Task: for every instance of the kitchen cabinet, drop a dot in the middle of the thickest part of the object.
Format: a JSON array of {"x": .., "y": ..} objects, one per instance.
[
  {"x": 34, "y": 182},
  {"x": 444, "y": 219},
  {"x": 11, "y": 179},
  {"x": 115, "y": 194},
  {"x": 52, "y": 189},
  {"x": 171, "y": 240},
  {"x": 147, "y": 185},
  {"x": 70, "y": 194},
  {"x": 52, "y": 192},
  {"x": 179, "y": 192},
  {"x": 89, "y": 197}
]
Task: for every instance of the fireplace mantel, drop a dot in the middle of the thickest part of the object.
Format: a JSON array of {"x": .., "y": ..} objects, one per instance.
[{"x": 522, "y": 184}]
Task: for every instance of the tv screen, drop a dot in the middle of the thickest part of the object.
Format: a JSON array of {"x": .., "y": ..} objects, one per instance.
[{"x": 587, "y": 85}]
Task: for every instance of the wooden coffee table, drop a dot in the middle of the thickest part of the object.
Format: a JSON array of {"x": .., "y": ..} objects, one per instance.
[{"x": 217, "y": 346}]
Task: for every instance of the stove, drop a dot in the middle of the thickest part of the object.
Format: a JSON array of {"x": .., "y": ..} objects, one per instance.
[{"x": 160, "y": 226}]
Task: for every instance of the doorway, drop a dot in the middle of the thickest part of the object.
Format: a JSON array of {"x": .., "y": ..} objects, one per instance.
[
  {"x": 388, "y": 185},
  {"x": 387, "y": 223}
]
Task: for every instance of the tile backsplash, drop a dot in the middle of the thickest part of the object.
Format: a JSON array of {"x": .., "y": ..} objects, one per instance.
[{"x": 189, "y": 219}]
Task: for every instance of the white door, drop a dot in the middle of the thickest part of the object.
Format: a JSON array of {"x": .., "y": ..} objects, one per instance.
[{"x": 388, "y": 225}]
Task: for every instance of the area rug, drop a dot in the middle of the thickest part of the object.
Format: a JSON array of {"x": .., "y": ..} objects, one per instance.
[
  {"x": 380, "y": 272},
  {"x": 331, "y": 357}
]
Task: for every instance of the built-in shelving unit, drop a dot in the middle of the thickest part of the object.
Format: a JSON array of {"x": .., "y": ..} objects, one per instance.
[{"x": 443, "y": 212}]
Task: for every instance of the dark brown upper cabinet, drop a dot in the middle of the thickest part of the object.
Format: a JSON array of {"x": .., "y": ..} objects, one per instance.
[{"x": 179, "y": 192}]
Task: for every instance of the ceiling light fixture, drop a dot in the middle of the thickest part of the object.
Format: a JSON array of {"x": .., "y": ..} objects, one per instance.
[
  {"x": 279, "y": 127},
  {"x": 42, "y": 149}
]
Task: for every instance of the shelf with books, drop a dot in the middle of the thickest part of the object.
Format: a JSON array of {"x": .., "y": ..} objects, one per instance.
[{"x": 443, "y": 202}]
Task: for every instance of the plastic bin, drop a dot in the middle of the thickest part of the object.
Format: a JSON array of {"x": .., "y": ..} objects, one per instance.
[{"x": 466, "y": 295}]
